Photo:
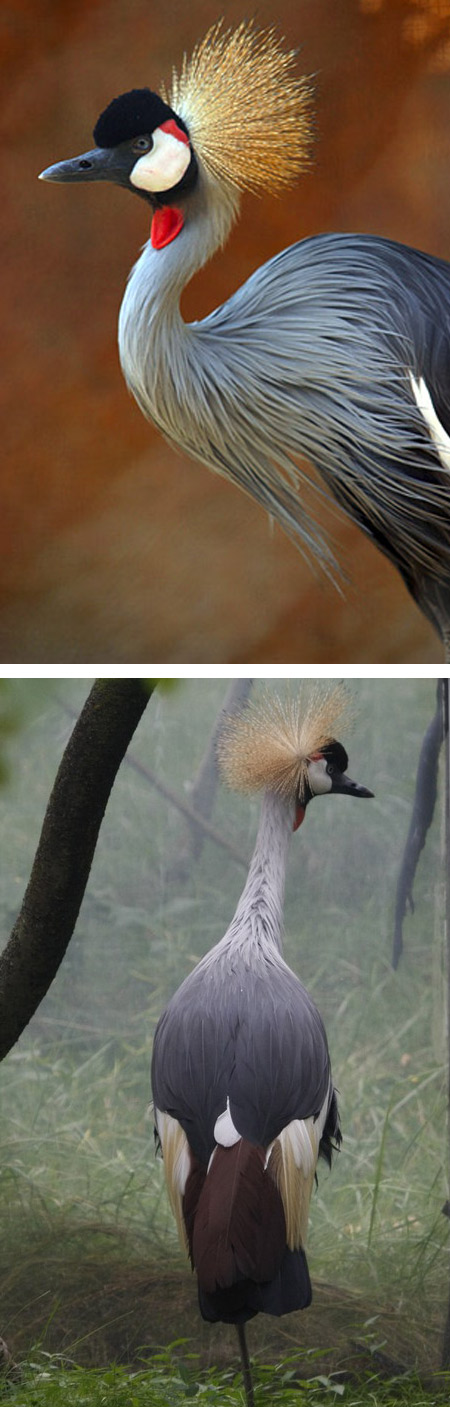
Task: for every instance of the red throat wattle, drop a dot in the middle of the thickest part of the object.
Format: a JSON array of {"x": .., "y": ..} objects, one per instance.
[
  {"x": 166, "y": 225},
  {"x": 299, "y": 815}
]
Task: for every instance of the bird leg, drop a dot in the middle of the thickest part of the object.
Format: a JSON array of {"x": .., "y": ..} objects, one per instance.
[{"x": 246, "y": 1369}]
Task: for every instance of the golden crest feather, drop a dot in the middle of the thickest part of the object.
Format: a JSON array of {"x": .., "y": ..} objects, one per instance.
[
  {"x": 268, "y": 744},
  {"x": 247, "y": 112}
]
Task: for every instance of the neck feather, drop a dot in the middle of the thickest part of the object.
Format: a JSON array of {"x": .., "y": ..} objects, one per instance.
[
  {"x": 259, "y": 914},
  {"x": 153, "y": 339}
]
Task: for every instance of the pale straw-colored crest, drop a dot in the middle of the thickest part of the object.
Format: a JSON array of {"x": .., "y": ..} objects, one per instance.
[
  {"x": 248, "y": 113},
  {"x": 268, "y": 744}
]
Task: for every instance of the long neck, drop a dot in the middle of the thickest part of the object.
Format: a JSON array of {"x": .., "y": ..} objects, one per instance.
[
  {"x": 152, "y": 334},
  {"x": 259, "y": 914}
]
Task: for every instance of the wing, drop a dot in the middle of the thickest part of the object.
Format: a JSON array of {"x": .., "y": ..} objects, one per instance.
[
  {"x": 247, "y": 1039},
  {"x": 316, "y": 352},
  {"x": 244, "y": 1105}
]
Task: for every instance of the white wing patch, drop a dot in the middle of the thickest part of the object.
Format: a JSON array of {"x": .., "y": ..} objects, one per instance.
[
  {"x": 439, "y": 436},
  {"x": 177, "y": 1164},
  {"x": 224, "y": 1129}
]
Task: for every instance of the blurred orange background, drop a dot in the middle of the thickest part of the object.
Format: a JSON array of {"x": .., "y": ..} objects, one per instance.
[{"x": 114, "y": 548}]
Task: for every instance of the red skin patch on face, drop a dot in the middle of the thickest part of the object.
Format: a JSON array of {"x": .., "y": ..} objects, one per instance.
[
  {"x": 299, "y": 815},
  {"x": 174, "y": 130},
  {"x": 166, "y": 225},
  {"x": 299, "y": 809}
]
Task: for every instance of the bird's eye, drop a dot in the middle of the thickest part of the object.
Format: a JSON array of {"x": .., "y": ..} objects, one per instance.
[
  {"x": 331, "y": 768},
  {"x": 142, "y": 144}
]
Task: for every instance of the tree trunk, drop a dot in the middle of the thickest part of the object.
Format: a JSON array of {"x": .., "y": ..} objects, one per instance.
[
  {"x": 66, "y": 849},
  {"x": 421, "y": 818}
]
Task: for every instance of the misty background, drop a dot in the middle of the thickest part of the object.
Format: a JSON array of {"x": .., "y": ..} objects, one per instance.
[{"x": 90, "y": 1259}]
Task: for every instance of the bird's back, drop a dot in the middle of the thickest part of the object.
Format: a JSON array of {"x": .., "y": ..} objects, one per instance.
[
  {"x": 241, "y": 1067},
  {"x": 246, "y": 1032},
  {"x": 362, "y": 289}
]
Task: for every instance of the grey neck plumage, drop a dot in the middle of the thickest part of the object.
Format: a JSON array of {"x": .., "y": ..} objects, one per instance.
[
  {"x": 155, "y": 344},
  {"x": 257, "y": 926}
]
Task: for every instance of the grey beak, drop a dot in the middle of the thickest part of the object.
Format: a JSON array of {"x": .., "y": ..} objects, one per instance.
[
  {"x": 101, "y": 164},
  {"x": 343, "y": 784}
]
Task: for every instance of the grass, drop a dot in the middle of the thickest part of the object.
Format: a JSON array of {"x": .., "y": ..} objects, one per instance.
[
  {"x": 90, "y": 1262},
  {"x": 173, "y": 1376}
]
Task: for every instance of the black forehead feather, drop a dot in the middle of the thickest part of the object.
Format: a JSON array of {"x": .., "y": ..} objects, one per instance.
[
  {"x": 335, "y": 752},
  {"x": 132, "y": 114}
]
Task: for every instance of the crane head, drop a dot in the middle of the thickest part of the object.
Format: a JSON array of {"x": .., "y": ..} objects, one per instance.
[
  {"x": 326, "y": 772},
  {"x": 141, "y": 144},
  {"x": 236, "y": 109},
  {"x": 288, "y": 745}
]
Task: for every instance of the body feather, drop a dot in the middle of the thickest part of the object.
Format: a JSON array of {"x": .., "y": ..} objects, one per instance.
[
  {"x": 288, "y": 370},
  {"x": 237, "y": 1238},
  {"x": 239, "y": 1230}
]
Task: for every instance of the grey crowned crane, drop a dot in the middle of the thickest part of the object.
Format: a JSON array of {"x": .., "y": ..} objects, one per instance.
[
  {"x": 243, "y": 1095},
  {"x": 337, "y": 349}
]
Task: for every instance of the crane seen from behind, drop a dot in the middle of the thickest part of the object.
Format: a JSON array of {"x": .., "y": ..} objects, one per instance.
[{"x": 243, "y": 1094}]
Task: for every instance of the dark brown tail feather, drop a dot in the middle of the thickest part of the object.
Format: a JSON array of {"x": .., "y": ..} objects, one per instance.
[
  {"x": 237, "y": 1238},
  {"x": 239, "y": 1227}
]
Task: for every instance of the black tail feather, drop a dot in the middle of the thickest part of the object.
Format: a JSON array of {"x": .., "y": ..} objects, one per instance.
[
  {"x": 290, "y": 1289},
  {"x": 332, "y": 1136}
]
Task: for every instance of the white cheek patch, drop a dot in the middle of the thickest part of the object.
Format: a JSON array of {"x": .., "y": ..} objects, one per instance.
[
  {"x": 439, "y": 436},
  {"x": 163, "y": 166},
  {"x": 318, "y": 777}
]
